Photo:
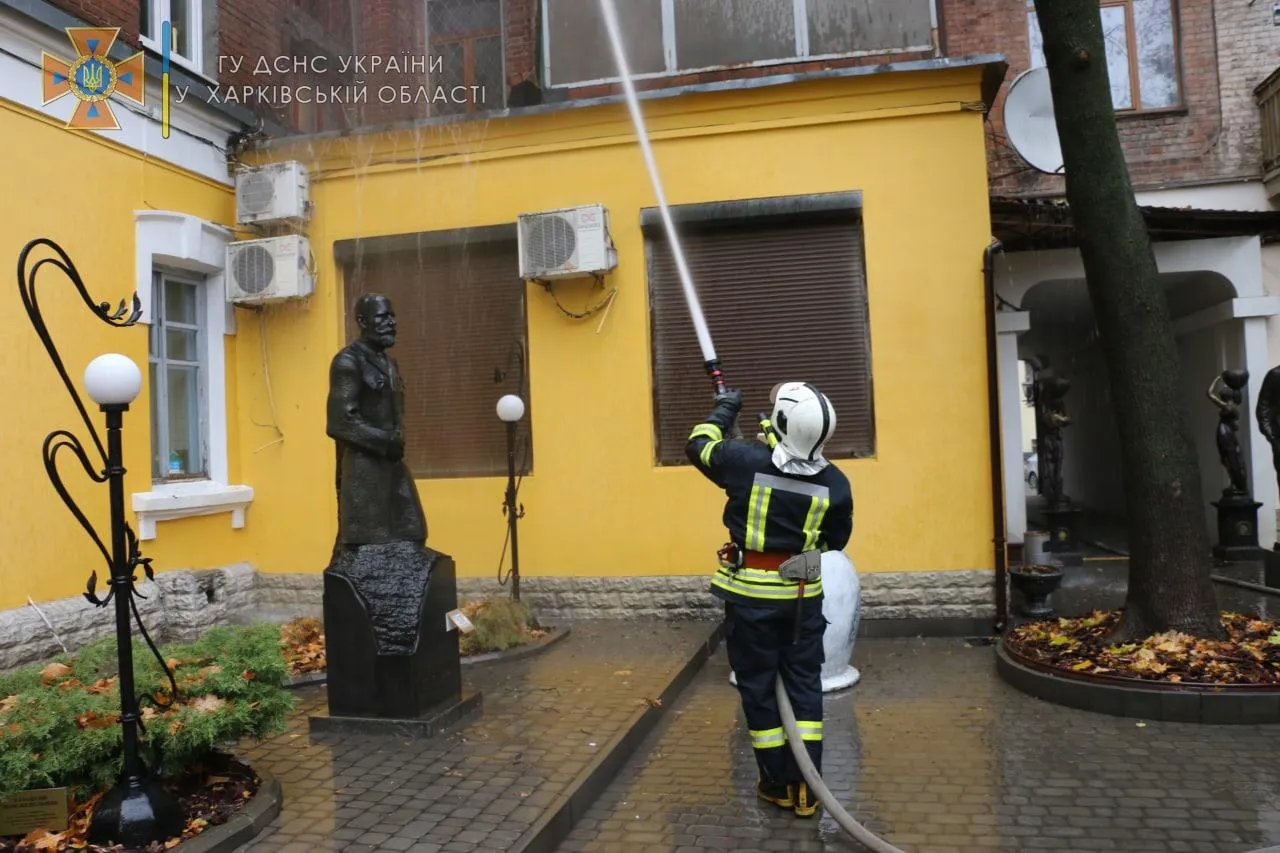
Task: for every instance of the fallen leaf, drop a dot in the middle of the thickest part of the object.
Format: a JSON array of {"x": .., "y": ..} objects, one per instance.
[
  {"x": 652, "y": 703},
  {"x": 53, "y": 672},
  {"x": 622, "y": 672},
  {"x": 8, "y": 703}
]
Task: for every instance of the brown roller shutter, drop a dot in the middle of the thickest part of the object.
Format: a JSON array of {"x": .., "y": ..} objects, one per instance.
[
  {"x": 461, "y": 317},
  {"x": 783, "y": 302}
]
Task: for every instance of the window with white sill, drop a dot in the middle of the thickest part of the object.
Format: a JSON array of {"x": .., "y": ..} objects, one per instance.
[
  {"x": 178, "y": 373},
  {"x": 181, "y": 281},
  {"x": 186, "y": 25},
  {"x": 1142, "y": 52}
]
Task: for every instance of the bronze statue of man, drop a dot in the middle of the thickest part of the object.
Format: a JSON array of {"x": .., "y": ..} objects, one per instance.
[{"x": 377, "y": 499}]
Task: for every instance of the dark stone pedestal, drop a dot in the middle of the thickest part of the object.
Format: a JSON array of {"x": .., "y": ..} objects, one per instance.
[
  {"x": 1237, "y": 528},
  {"x": 1063, "y": 544},
  {"x": 393, "y": 663}
]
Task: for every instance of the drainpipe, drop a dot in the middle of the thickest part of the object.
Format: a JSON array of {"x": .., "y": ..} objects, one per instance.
[{"x": 997, "y": 449}]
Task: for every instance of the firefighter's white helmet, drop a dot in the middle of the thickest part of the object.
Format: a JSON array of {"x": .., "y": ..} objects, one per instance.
[{"x": 805, "y": 420}]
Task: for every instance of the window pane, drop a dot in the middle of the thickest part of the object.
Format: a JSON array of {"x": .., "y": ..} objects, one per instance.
[
  {"x": 1115, "y": 33},
  {"x": 579, "y": 41},
  {"x": 488, "y": 74},
  {"x": 184, "y": 422},
  {"x": 463, "y": 17},
  {"x": 731, "y": 32},
  {"x": 183, "y": 21},
  {"x": 1157, "y": 62},
  {"x": 145, "y": 23},
  {"x": 157, "y": 437},
  {"x": 180, "y": 345},
  {"x": 843, "y": 26},
  {"x": 179, "y": 302}
]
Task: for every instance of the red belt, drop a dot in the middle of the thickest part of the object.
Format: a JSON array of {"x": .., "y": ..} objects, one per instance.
[{"x": 765, "y": 561}]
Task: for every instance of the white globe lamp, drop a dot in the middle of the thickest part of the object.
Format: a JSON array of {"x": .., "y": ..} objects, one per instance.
[
  {"x": 113, "y": 380},
  {"x": 510, "y": 408}
]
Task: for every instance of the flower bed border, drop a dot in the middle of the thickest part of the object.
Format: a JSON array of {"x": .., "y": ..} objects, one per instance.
[
  {"x": 1208, "y": 704},
  {"x": 245, "y": 824},
  {"x": 521, "y": 651}
]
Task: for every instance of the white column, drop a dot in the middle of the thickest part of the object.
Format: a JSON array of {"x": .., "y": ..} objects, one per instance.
[
  {"x": 1262, "y": 475},
  {"x": 1010, "y": 324}
]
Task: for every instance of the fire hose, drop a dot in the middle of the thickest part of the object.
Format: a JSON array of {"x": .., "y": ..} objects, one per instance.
[{"x": 712, "y": 364}]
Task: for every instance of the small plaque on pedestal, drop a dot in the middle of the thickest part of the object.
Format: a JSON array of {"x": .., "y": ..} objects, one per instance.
[{"x": 1237, "y": 528}]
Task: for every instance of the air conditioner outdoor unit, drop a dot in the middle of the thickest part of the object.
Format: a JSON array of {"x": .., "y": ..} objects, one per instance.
[
  {"x": 269, "y": 270},
  {"x": 572, "y": 241},
  {"x": 279, "y": 192}
]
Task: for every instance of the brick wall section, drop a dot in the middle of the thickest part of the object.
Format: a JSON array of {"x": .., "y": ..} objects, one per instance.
[
  {"x": 523, "y": 33},
  {"x": 106, "y": 13},
  {"x": 1248, "y": 52},
  {"x": 1162, "y": 150}
]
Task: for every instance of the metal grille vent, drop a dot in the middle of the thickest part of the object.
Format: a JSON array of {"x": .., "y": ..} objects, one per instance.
[
  {"x": 550, "y": 242},
  {"x": 256, "y": 192},
  {"x": 255, "y": 269}
]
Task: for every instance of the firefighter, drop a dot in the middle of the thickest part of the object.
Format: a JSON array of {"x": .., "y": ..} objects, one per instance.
[{"x": 787, "y": 504}]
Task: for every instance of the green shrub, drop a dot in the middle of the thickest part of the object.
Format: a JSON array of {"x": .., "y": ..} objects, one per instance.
[
  {"x": 501, "y": 623},
  {"x": 59, "y": 724}
]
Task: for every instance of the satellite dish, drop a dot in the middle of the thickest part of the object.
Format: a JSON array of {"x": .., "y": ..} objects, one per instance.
[{"x": 1029, "y": 121}]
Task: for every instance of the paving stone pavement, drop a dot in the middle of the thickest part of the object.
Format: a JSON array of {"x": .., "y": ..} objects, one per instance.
[
  {"x": 934, "y": 753},
  {"x": 545, "y": 718}
]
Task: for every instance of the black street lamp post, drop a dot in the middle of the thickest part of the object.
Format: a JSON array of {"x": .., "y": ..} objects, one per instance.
[
  {"x": 510, "y": 411},
  {"x": 138, "y": 810}
]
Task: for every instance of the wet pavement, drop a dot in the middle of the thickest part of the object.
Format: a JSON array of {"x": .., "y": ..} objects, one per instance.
[
  {"x": 545, "y": 718},
  {"x": 933, "y": 752}
]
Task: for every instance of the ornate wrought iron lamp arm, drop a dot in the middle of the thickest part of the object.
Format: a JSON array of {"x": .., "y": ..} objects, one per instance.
[{"x": 137, "y": 811}]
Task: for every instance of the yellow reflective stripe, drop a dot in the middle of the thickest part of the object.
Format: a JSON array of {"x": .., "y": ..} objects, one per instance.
[
  {"x": 757, "y": 512},
  {"x": 813, "y": 521},
  {"x": 809, "y": 729},
  {"x": 708, "y": 430},
  {"x": 726, "y": 580},
  {"x": 768, "y": 738},
  {"x": 707, "y": 449}
]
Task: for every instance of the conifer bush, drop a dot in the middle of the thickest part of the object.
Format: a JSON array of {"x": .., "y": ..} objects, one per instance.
[{"x": 59, "y": 723}]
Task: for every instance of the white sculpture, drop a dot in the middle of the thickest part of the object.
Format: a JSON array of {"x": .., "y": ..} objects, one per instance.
[{"x": 842, "y": 607}]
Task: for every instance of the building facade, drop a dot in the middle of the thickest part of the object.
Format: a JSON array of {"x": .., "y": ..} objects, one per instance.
[{"x": 231, "y": 476}]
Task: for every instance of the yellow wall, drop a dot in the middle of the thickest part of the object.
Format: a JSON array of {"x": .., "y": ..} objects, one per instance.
[
  {"x": 81, "y": 191},
  {"x": 596, "y": 503}
]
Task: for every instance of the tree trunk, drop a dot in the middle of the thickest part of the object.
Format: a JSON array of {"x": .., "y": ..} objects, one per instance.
[{"x": 1169, "y": 547}]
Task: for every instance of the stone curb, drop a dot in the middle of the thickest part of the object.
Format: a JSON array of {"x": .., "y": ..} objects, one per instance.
[
  {"x": 245, "y": 824},
  {"x": 1173, "y": 705},
  {"x": 518, "y": 652},
  {"x": 558, "y": 820}
]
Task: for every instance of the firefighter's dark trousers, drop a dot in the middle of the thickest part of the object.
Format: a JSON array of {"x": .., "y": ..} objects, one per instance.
[{"x": 759, "y": 640}]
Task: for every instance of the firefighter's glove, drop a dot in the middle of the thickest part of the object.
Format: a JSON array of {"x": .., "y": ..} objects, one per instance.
[
  {"x": 731, "y": 400},
  {"x": 726, "y": 411}
]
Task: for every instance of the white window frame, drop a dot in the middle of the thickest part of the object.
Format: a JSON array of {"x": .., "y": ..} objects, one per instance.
[
  {"x": 160, "y": 12},
  {"x": 800, "y": 9},
  {"x": 159, "y": 392},
  {"x": 177, "y": 241}
]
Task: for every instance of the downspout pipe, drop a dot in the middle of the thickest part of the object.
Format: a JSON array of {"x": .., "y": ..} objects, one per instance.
[{"x": 998, "y": 521}]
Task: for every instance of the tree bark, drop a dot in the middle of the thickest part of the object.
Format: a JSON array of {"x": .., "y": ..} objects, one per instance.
[{"x": 1169, "y": 547}]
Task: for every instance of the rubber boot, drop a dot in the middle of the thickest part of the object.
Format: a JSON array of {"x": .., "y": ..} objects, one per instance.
[
  {"x": 805, "y": 803},
  {"x": 776, "y": 793}
]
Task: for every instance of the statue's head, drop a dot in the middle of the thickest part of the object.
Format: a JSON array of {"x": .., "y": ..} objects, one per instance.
[{"x": 377, "y": 320}]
